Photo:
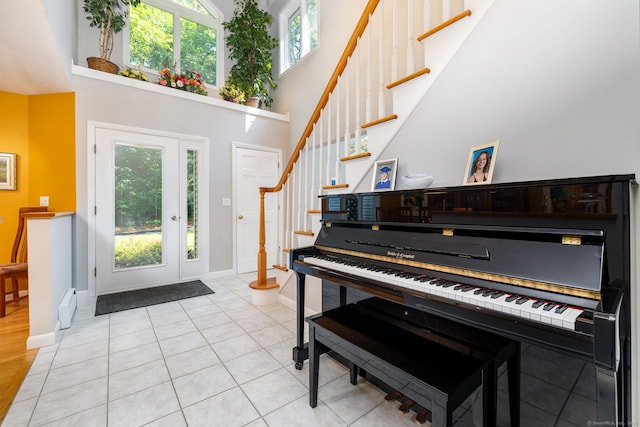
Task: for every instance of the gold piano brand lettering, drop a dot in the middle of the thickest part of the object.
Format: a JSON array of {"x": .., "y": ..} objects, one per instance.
[
  {"x": 400, "y": 255},
  {"x": 447, "y": 232},
  {"x": 571, "y": 240}
]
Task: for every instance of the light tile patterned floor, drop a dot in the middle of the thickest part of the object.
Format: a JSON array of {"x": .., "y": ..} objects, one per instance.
[{"x": 218, "y": 360}]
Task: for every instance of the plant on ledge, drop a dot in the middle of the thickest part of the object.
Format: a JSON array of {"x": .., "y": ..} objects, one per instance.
[
  {"x": 231, "y": 93},
  {"x": 189, "y": 81},
  {"x": 134, "y": 73},
  {"x": 250, "y": 45},
  {"x": 109, "y": 16}
]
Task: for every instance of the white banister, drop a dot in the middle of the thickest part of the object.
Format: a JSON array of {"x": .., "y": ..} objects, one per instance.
[
  {"x": 314, "y": 182},
  {"x": 369, "y": 82},
  {"x": 347, "y": 109},
  {"x": 411, "y": 67},
  {"x": 381, "y": 82},
  {"x": 358, "y": 99},
  {"x": 395, "y": 56},
  {"x": 446, "y": 10}
]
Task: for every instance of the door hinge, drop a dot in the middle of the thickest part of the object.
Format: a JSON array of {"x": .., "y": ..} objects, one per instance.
[
  {"x": 95, "y": 210},
  {"x": 95, "y": 148},
  {"x": 95, "y": 271}
]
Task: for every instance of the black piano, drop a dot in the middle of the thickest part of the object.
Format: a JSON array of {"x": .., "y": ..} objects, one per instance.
[{"x": 544, "y": 262}]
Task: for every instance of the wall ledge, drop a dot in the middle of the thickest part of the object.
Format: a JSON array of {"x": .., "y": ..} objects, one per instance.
[{"x": 77, "y": 70}]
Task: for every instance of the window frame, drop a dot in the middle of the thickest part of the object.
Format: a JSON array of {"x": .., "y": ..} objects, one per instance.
[
  {"x": 178, "y": 11},
  {"x": 305, "y": 32}
]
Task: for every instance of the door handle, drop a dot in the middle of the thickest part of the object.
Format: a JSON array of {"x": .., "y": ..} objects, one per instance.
[
  {"x": 240, "y": 217},
  {"x": 173, "y": 218}
]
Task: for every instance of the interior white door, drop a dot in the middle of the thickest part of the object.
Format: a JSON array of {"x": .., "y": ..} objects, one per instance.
[
  {"x": 255, "y": 168},
  {"x": 137, "y": 210}
]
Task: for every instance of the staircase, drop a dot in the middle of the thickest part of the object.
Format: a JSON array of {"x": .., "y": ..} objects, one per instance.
[{"x": 396, "y": 52}]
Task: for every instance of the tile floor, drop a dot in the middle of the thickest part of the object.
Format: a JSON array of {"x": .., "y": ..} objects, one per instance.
[{"x": 218, "y": 360}]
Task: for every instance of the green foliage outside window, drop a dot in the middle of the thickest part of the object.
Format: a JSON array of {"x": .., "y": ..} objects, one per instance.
[{"x": 151, "y": 41}]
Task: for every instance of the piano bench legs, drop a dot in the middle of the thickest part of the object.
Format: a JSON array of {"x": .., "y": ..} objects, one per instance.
[{"x": 409, "y": 363}]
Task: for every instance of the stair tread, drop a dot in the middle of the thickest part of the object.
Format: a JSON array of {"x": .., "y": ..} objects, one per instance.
[
  {"x": 445, "y": 24},
  {"x": 380, "y": 121}
]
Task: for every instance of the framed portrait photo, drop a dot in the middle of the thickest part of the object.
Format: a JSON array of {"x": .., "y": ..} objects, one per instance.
[
  {"x": 7, "y": 171},
  {"x": 384, "y": 175},
  {"x": 481, "y": 163}
]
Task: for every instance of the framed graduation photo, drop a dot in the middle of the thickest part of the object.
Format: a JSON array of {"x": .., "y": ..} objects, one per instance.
[
  {"x": 481, "y": 163},
  {"x": 384, "y": 175},
  {"x": 7, "y": 171}
]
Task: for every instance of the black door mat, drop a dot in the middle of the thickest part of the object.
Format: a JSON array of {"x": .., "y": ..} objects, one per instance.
[{"x": 121, "y": 301}]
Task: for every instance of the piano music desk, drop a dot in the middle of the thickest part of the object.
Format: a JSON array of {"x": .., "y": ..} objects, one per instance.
[{"x": 434, "y": 370}]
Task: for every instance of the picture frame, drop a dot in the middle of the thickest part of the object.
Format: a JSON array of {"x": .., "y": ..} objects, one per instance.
[
  {"x": 485, "y": 153},
  {"x": 384, "y": 175},
  {"x": 7, "y": 171}
]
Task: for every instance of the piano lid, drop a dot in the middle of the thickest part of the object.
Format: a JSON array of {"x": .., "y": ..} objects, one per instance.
[{"x": 567, "y": 233}]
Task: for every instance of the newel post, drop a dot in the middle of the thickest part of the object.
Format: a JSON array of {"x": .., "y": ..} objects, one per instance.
[{"x": 262, "y": 283}]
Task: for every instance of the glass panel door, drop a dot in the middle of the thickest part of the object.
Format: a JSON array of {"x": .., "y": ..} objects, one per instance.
[{"x": 137, "y": 210}]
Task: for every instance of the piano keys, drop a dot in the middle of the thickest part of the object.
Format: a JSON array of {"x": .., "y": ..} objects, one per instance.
[{"x": 545, "y": 262}]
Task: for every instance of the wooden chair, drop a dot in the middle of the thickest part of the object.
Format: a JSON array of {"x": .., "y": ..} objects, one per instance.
[{"x": 18, "y": 267}]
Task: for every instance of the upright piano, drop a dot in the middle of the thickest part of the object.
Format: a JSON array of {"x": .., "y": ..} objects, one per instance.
[{"x": 544, "y": 262}]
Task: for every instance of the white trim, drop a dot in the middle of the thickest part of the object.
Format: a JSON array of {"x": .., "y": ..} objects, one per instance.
[
  {"x": 234, "y": 206},
  {"x": 152, "y": 87},
  {"x": 43, "y": 340}
]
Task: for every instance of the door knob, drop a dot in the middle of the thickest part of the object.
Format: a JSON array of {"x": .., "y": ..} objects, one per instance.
[
  {"x": 173, "y": 218},
  {"x": 240, "y": 217}
]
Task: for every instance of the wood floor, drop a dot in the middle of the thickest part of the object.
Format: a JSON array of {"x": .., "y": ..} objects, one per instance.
[{"x": 15, "y": 360}]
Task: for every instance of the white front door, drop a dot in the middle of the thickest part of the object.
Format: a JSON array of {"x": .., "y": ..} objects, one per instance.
[
  {"x": 150, "y": 218},
  {"x": 255, "y": 168}
]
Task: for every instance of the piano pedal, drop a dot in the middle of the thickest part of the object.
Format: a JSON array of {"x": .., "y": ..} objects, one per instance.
[
  {"x": 422, "y": 415},
  {"x": 406, "y": 406},
  {"x": 392, "y": 397}
]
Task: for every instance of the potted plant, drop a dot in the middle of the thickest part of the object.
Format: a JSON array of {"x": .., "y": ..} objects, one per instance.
[
  {"x": 250, "y": 45},
  {"x": 230, "y": 92},
  {"x": 109, "y": 16}
]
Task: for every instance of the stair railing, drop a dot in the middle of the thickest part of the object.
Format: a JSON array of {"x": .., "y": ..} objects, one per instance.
[{"x": 382, "y": 46}]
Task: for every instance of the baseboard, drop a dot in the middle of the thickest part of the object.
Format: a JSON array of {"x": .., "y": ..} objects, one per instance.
[
  {"x": 219, "y": 274},
  {"x": 43, "y": 340}
]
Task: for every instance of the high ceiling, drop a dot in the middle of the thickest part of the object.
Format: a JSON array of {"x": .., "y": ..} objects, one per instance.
[{"x": 30, "y": 60}]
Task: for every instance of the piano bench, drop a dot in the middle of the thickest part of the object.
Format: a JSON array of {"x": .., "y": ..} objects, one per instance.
[{"x": 430, "y": 369}]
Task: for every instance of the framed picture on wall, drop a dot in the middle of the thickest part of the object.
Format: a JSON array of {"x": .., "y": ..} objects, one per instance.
[
  {"x": 7, "y": 171},
  {"x": 481, "y": 163},
  {"x": 384, "y": 175}
]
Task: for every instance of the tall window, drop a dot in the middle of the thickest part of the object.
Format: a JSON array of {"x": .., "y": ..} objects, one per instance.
[
  {"x": 298, "y": 31},
  {"x": 177, "y": 34}
]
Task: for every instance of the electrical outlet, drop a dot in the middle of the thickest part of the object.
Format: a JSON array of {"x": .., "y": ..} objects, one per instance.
[{"x": 44, "y": 200}]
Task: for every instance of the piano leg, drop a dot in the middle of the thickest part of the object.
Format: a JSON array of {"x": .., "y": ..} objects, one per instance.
[
  {"x": 513, "y": 371},
  {"x": 301, "y": 350},
  {"x": 314, "y": 367},
  {"x": 607, "y": 399}
]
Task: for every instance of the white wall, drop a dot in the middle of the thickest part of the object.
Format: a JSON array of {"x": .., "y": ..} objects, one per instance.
[
  {"x": 62, "y": 18},
  {"x": 103, "y": 101},
  {"x": 300, "y": 87},
  {"x": 556, "y": 82}
]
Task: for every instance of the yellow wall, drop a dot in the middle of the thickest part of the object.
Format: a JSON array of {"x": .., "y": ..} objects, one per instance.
[
  {"x": 40, "y": 129},
  {"x": 52, "y": 152},
  {"x": 14, "y": 138}
]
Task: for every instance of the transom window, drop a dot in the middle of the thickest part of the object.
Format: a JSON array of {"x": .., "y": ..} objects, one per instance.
[
  {"x": 298, "y": 31},
  {"x": 180, "y": 35}
]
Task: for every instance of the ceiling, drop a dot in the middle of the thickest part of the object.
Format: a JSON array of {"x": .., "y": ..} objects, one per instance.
[{"x": 29, "y": 56}]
